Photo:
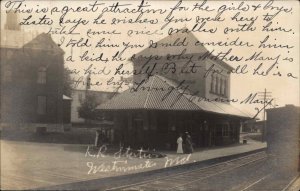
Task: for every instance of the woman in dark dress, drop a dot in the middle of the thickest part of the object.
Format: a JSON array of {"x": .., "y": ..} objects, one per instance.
[{"x": 188, "y": 144}]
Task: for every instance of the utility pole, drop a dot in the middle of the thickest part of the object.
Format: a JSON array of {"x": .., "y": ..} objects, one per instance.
[{"x": 265, "y": 96}]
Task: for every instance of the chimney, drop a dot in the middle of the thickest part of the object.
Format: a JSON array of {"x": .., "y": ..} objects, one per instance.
[
  {"x": 12, "y": 21},
  {"x": 88, "y": 82}
]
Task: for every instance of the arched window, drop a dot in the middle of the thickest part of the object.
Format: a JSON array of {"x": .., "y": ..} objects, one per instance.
[
  {"x": 212, "y": 83},
  {"x": 42, "y": 75},
  {"x": 221, "y": 86},
  {"x": 225, "y": 87},
  {"x": 217, "y": 85}
]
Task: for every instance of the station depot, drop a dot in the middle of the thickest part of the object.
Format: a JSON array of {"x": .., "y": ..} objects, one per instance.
[
  {"x": 149, "y": 119},
  {"x": 154, "y": 117}
]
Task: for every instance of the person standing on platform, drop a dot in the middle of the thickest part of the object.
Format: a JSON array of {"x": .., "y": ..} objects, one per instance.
[
  {"x": 97, "y": 139},
  {"x": 188, "y": 143},
  {"x": 179, "y": 144}
]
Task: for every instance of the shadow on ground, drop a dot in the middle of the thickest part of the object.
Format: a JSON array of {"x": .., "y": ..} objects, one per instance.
[{"x": 78, "y": 136}]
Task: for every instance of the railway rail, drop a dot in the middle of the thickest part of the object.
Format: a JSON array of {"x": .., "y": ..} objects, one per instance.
[{"x": 179, "y": 180}]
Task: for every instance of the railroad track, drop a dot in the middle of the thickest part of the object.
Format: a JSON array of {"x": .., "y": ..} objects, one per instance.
[{"x": 178, "y": 180}]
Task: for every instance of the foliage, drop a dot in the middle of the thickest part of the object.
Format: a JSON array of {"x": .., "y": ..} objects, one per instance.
[
  {"x": 67, "y": 82},
  {"x": 87, "y": 109}
]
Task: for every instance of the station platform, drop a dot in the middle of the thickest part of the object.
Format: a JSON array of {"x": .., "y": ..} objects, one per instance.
[{"x": 28, "y": 165}]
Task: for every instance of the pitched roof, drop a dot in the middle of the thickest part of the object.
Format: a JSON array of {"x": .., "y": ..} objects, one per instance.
[
  {"x": 43, "y": 41},
  {"x": 21, "y": 39},
  {"x": 169, "y": 45},
  {"x": 160, "y": 93},
  {"x": 149, "y": 98}
]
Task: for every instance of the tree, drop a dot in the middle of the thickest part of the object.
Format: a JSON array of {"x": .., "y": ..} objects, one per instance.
[
  {"x": 87, "y": 109},
  {"x": 67, "y": 84}
]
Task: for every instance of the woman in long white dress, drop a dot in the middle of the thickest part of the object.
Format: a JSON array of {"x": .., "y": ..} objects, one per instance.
[{"x": 179, "y": 145}]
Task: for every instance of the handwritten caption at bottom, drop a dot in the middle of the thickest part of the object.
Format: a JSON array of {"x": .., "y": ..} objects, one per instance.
[{"x": 124, "y": 162}]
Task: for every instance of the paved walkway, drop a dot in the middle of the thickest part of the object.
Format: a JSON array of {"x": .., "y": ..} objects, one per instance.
[{"x": 32, "y": 165}]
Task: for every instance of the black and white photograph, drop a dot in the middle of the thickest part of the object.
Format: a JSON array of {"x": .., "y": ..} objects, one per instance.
[{"x": 150, "y": 95}]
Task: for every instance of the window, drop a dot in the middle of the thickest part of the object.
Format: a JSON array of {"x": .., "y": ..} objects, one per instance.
[
  {"x": 42, "y": 105},
  {"x": 225, "y": 130},
  {"x": 42, "y": 75},
  {"x": 221, "y": 86},
  {"x": 212, "y": 83},
  {"x": 225, "y": 87},
  {"x": 217, "y": 85}
]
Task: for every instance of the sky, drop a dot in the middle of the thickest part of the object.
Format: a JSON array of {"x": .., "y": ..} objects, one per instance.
[{"x": 284, "y": 90}]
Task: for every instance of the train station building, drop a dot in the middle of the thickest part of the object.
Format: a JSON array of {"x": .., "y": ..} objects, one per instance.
[{"x": 168, "y": 101}]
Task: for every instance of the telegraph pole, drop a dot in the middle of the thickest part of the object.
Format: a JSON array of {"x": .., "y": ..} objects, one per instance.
[{"x": 265, "y": 96}]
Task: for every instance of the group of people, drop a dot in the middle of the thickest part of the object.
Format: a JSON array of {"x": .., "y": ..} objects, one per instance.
[{"x": 184, "y": 145}]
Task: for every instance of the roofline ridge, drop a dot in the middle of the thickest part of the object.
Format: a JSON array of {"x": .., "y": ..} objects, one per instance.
[{"x": 40, "y": 36}]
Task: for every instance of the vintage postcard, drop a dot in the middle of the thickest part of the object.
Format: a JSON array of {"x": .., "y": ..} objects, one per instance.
[{"x": 149, "y": 95}]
